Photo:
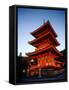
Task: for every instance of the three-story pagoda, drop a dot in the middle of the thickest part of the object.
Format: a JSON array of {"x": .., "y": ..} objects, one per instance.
[{"x": 45, "y": 54}]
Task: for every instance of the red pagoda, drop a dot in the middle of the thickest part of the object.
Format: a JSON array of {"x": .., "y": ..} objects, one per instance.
[{"x": 45, "y": 55}]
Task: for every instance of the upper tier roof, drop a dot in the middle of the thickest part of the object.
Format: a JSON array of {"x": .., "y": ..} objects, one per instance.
[
  {"x": 48, "y": 35},
  {"x": 46, "y": 26}
]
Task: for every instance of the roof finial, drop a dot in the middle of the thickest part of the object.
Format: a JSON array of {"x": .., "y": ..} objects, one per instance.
[{"x": 43, "y": 21}]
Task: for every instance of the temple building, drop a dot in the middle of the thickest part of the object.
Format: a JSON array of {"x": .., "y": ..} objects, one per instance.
[{"x": 45, "y": 57}]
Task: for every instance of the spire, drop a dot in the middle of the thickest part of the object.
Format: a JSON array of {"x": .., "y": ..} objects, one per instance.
[{"x": 43, "y": 21}]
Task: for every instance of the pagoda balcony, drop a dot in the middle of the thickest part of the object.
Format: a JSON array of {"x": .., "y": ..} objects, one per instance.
[{"x": 46, "y": 66}]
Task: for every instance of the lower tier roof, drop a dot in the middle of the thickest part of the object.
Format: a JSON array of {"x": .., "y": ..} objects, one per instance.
[{"x": 51, "y": 49}]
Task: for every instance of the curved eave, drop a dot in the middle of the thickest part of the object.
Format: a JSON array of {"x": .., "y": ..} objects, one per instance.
[
  {"x": 34, "y": 33},
  {"x": 57, "y": 52},
  {"x": 33, "y": 42},
  {"x": 51, "y": 48}
]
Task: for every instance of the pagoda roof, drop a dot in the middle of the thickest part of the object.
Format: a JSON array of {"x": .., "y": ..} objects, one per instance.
[
  {"x": 45, "y": 50},
  {"x": 44, "y": 28},
  {"x": 48, "y": 35}
]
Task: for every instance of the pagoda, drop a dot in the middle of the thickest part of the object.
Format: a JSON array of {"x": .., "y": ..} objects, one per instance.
[{"x": 46, "y": 54}]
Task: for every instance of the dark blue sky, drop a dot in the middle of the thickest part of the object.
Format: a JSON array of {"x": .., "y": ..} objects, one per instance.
[{"x": 30, "y": 19}]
